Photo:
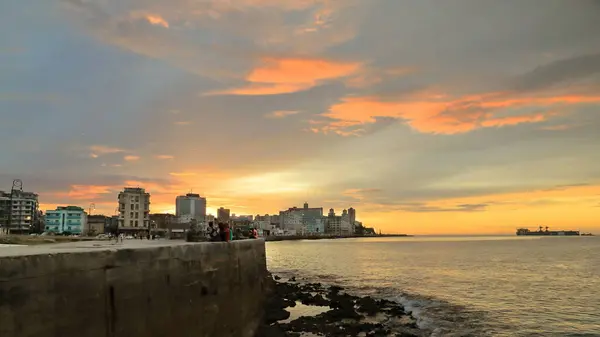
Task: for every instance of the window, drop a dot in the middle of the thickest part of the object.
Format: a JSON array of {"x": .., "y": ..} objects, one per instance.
[
  {"x": 137, "y": 215},
  {"x": 131, "y": 214},
  {"x": 137, "y": 206},
  {"x": 137, "y": 199},
  {"x": 130, "y": 223},
  {"x": 132, "y": 207},
  {"x": 136, "y": 223}
]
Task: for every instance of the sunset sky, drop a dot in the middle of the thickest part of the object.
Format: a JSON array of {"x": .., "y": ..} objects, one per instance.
[{"x": 427, "y": 116}]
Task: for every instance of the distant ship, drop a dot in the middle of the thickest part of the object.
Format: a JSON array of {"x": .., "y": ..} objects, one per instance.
[{"x": 541, "y": 231}]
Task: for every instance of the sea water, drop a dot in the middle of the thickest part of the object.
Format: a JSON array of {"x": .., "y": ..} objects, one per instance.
[{"x": 463, "y": 286}]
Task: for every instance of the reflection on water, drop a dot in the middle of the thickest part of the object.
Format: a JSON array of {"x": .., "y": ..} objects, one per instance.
[{"x": 505, "y": 286}]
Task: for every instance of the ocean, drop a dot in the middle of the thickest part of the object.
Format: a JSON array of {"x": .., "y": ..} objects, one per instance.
[{"x": 463, "y": 286}]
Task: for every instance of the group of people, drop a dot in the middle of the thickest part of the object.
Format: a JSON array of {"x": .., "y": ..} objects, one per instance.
[{"x": 223, "y": 232}]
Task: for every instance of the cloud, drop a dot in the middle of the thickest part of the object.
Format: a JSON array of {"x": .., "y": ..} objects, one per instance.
[
  {"x": 443, "y": 114},
  {"x": 183, "y": 174},
  {"x": 100, "y": 150},
  {"x": 281, "y": 113},
  {"x": 132, "y": 158},
  {"x": 165, "y": 157},
  {"x": 563, "y": 70},
  {"x": 287, "y": 75},
  {"x": 157, "y": 20}
]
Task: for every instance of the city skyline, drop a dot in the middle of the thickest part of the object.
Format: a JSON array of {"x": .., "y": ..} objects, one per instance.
[{"x": 420, "y": 114}]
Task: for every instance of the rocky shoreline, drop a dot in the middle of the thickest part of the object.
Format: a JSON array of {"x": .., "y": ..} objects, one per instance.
[{"x": 334, "y": 313}]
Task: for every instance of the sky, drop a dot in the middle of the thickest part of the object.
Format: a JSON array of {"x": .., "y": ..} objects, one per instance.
[{"x": 427, "y": 117}]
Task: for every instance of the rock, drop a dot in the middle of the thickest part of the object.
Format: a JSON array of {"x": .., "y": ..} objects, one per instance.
[
  {"x": 293, "y": 279},
  {"x": 275, "y": 314},
  {"x": 274, "y": 330},
  {"x": 368, "y": 306},
  {"x": 277, "y": 278}
]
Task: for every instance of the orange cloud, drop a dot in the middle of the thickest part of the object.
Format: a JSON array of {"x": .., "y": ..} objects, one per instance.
[
  {"x": 88, "y": 192},
  {"x": 182, "y": 174},
  {"x": 288, "y": 75},
  {"x": 281, "y": 114},
  {"x": 165, "y": 157},
  {"x": 438, "y": 113},
  {"x": 157, "y": 20},
  {"x": 131, "y": 158}
]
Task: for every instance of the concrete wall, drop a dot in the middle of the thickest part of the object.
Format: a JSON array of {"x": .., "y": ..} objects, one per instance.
[{"x": 201, "y": 289}]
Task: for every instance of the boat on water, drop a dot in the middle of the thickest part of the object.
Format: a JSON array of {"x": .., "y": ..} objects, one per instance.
[{"x": 545, "y": 231}]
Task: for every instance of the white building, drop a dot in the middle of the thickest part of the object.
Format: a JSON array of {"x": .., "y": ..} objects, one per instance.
[
  {"x": 18, "y": 213},
  {"x": 191, "y": 206},
  {"x": 134, "y": 210}
]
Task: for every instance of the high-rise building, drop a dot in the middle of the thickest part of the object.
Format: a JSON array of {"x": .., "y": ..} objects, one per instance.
[
  {"x": 352, "y": 215},
  {"x": 67, "y": 219},
  {"x": 134, "y": 210},
  {"x": 191, "y": 206},
  {"x": 223, "y": 215},
  {"x": 18, "y": 211}
]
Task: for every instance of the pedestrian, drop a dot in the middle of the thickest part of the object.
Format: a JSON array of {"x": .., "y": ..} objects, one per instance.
[
  {"x": 213, "y": 232},
  {"x": 222, "y": 234}
]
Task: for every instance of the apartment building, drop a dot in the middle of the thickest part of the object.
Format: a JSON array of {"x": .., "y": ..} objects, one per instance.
[{"x": 134, "y": 210}]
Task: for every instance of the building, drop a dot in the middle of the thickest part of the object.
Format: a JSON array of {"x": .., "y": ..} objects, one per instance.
[
  {"x": 346, "y": 227},
  {"x": 163, "y": 220},
  {"x": 308, "y": 217},
  {"x": 98, "y": 224},
  {"x": 223, "y": 215},
  {"x": 333, "y": 224},
  {"x": 134, "y": 210},
  {"x": 352, "y": 215},
  {"x": 242, "y": 217},
  {"x": 67, "y": 220},
  {"x": 191, "y": 206},
  {"x": 317, "y": 227},
  {"x": 18, "y": 211}
]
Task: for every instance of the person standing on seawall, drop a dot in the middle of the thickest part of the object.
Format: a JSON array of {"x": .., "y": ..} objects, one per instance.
[{"x": 213, "y": 232}]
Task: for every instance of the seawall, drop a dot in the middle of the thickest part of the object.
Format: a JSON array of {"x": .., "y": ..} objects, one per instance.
[{"x": 134, "y": 289}]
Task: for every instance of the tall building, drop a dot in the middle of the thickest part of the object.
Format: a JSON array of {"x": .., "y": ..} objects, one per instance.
[
  {"x": 191, "y": 205},
  {"x": 352, "y": 215},
  {"x": 223, "y": 215},
  {"x": 134, "y": 210},
  {"x": 67, "y": 219},
  {"x": 18, "y": 211}
]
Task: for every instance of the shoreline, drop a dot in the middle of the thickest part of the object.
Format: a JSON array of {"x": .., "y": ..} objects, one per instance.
[
  {"x": 329, "y": 237},
  {"x": 295, "y": 308}
]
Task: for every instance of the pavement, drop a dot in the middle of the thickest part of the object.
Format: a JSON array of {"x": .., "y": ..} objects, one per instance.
[{"x": 87, "y": 246}]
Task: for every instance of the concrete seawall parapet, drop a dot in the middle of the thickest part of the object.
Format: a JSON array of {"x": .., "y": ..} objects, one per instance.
[{"x": 135, "y": 289}]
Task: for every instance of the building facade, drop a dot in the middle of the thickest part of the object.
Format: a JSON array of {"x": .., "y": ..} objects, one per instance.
[
  {"x": 223, "y": 215},
  {"x": 309, "y": 217},
  {"x": 18, "y": 211},
  {"x": 333, "y": 224},
  {"x": 134, "y": 210},
  {"x": 191, "y": 205},
  {"x": 67, "y": 220}
]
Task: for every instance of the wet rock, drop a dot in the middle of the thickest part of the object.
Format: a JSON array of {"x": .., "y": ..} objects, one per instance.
[
  {"x": 368, "y": 306},
  {"x": 277, "y": 278},
  {"x": 316, "y": 300},
  {"x": 293, "y": 279}
]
